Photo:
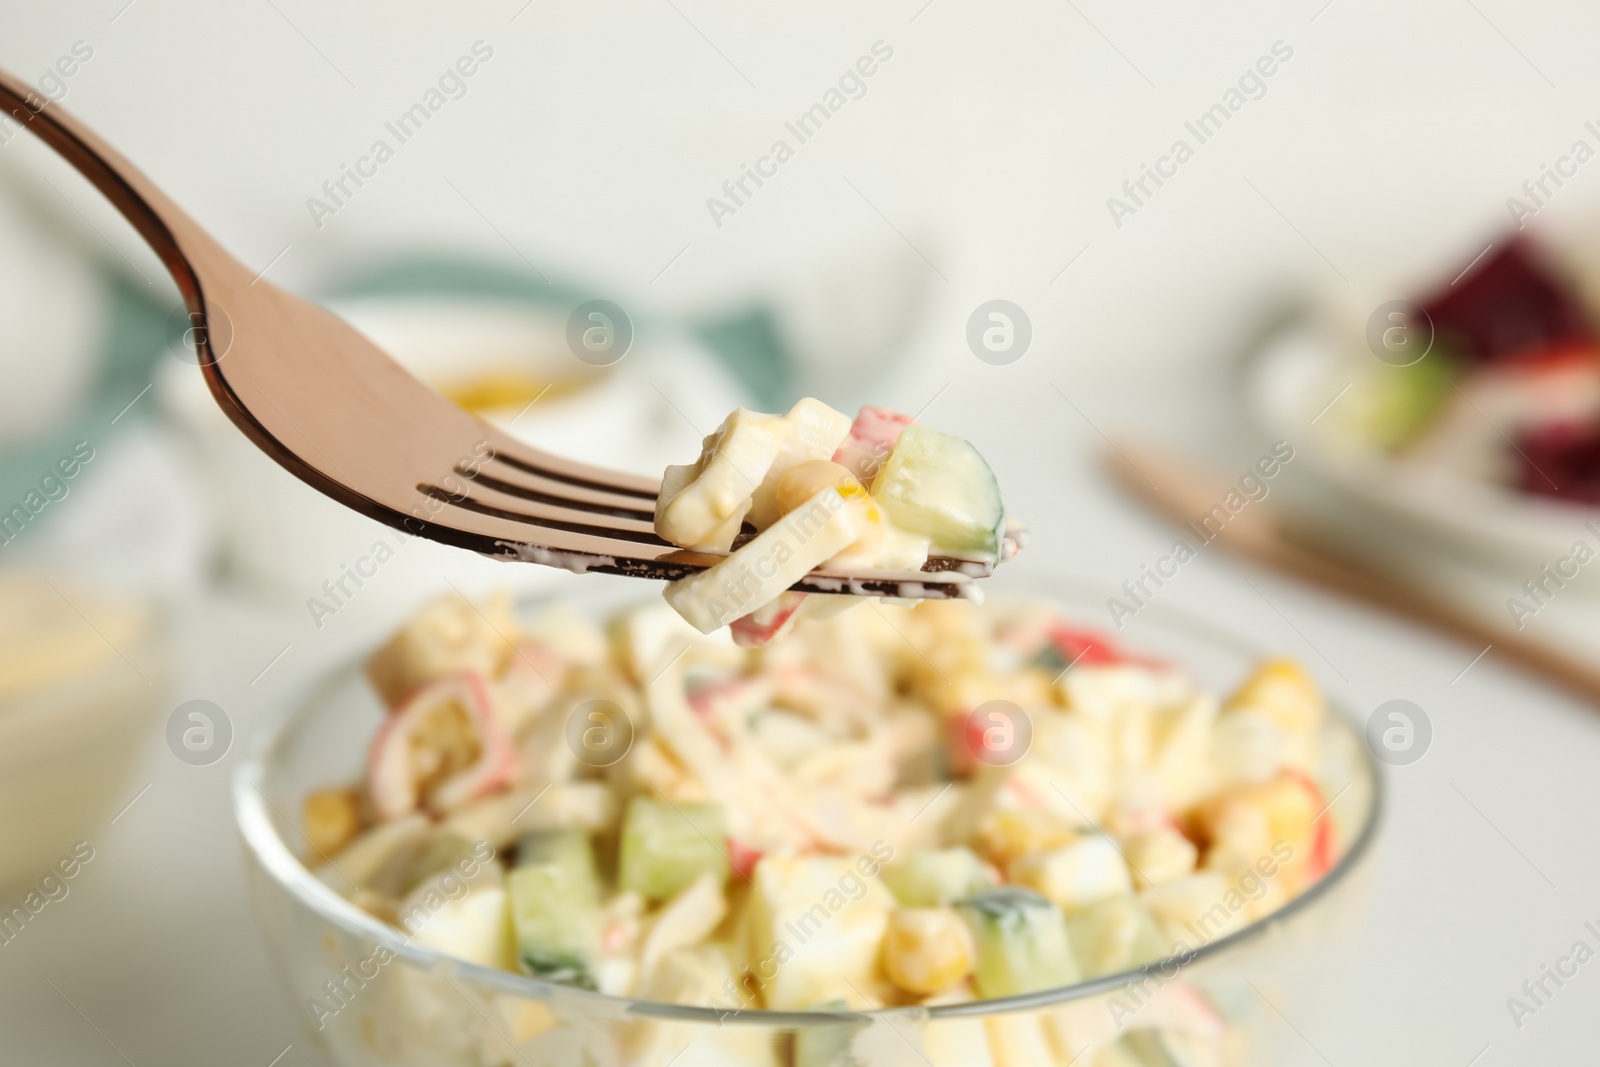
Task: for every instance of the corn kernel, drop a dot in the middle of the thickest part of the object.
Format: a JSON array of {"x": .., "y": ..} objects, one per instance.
[
  {"x": 1283, "y": 691},
  {"x": 1259, "y": 816},
  {"x": 1007, "y": 833},
  {"x": 927, "y": 950},
  {"x": 806, "y": 480},
  {"x": 332, "y": 819}
]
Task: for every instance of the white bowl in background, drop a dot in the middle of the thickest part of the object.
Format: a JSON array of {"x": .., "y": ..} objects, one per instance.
[{"x": 82, "y": 678}]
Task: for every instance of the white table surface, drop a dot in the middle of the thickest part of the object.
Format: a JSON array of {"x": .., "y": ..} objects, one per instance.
[{"x": 992, "y": 141}]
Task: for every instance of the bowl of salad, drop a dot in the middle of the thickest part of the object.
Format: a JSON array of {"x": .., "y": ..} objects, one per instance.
[{"x": 950, "y": 833}]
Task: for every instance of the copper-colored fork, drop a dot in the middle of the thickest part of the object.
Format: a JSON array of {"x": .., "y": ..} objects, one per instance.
[{"x": 334, "y": 410}]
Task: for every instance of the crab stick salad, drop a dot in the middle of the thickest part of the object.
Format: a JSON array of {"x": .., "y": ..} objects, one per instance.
[
  {"x": 912, "y": 805},
  {"x": 814, "y": 489}
]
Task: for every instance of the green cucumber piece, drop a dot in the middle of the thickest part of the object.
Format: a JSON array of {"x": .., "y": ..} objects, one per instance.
[
  {"x": 665, "y": 846},
  {"x": 569, "y": 848},
  {"x": 1022, "y": 942},
  {"x": 929, "y": 879},
  {"x": 1114, "y": 935},
  {"x": 1406, "y": 399},
  {"x": 937, "y": 486},
  {"x": 554, "y": 897}
]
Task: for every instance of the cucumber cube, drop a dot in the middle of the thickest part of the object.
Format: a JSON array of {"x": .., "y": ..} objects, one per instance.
[
  {"x": 665, "y": 846},
  {"x": 554, "y": 898},
  {"x": 1022, "y": 942},
  {"x": 568, "y": 848},
  {"x": 938, "y": 486},
  {"x": 929, "y": 879}
]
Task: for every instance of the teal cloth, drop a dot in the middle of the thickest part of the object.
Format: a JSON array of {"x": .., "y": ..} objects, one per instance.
[{"x": 134, "y": 341}]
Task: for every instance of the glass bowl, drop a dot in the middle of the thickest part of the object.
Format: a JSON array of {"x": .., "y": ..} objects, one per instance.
[{"x": 372, "y": 997}]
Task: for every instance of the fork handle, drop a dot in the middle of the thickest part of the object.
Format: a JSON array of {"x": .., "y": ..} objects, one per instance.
[{"x": 187, "y": 251}]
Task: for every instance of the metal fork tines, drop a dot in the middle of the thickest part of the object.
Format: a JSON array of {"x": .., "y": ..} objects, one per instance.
[{"x": 523, "y": 487}]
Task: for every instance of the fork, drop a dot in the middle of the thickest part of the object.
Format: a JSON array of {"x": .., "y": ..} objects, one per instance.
[{"x": 337, "y": 412}]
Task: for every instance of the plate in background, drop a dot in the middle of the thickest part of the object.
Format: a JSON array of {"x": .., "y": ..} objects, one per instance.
[{"x": 1291, "y": 387}]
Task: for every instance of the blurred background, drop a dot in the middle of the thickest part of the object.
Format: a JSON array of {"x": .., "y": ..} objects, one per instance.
[{"x": 1195, "y": 226}]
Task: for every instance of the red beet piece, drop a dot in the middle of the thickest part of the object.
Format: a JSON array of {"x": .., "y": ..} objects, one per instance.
[
  {"x": 1509, "y": 306},
  {"x": 1566, "y": 454}
]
